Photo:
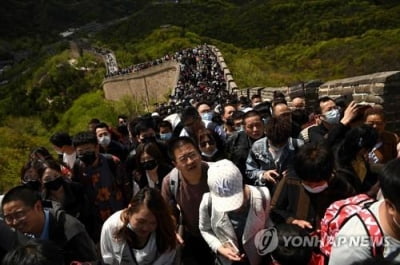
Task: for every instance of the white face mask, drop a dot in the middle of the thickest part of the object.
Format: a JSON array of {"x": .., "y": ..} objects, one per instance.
[
  {"x": 211, "y": 154},
  {"x": 332, "y": 116},
  {"x": 317, "y": 189},
  {"x": 239, "y": 128},
  {"x": 104, "y": 140}
]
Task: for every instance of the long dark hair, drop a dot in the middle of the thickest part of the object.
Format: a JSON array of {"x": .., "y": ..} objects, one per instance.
[
  {"x": 152, "y": 150},
  {"x": 165, "y": 231}
]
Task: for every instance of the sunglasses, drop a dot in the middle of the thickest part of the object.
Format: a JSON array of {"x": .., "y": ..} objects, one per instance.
[{"x": 209, "y": 142}]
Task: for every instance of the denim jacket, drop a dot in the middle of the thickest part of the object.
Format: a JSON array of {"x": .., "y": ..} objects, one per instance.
[{"x": 260, "y": 159}]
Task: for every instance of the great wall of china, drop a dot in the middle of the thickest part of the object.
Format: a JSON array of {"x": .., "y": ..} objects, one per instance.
[{"x": 156, "y": 83}]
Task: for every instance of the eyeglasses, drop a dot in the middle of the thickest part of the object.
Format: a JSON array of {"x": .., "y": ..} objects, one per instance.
[
  {"x": 185, "y": 157},
  {"x": 209, "y": 142},
  {"x": 17, "y": 216}
]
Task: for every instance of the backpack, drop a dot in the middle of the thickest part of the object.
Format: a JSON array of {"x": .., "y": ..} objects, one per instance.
[{"x": 339, "y": 212}]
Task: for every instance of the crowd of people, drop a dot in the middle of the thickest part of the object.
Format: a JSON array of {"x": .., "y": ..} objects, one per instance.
[
  {"x": 115, "y": 71},
  {"x": 197, "y": 181}
]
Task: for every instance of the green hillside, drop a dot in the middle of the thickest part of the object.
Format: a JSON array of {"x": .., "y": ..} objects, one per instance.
[{"x": 265, "y": 43}]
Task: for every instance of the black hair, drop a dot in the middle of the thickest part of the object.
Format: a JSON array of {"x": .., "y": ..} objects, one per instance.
[
  {"x": 60, "y": 139},
  {"x": 42, "y": 151},
  {"x": 178, "y": 142},
  {"x": 264, "y": 108},
  {"x": 101, "y": 125},
  {"x": 132, "y": 124},
  {"x": 165, "y": 123},
  {"x": 94, "y": 121},
  {"x": 189, "y": 112},
  {"x": 251, "y": 113},
  {"x": 314, "y": 162},
  {"x": 82, "y": 138},
  {"x": 226, "y": 105},
  {"x": 35, "y": 252},
  {"x": 363, "y": 136},
  {"x": 322, "y": 100},
  {"x": 21, "y": 193},
  {"x": 300, "y": 116},
  {"x": 287, "y": 254},
  {"x": 390, "y": 182},
  {"x": 143, "y": 125},
  {"x": 201, "y": 103},
  {"x": 237, "y": 114},
  {"x": 278, "y": 130}
]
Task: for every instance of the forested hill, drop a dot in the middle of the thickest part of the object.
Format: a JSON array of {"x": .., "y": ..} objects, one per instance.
[
  {"x": 264, "y": 43},
  {"x": 243, "y": 23},
  {"x": 268, "y": 23}
]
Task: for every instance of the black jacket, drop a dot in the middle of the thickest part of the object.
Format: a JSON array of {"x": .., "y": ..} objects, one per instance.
[{"x": 70, "y": 235}]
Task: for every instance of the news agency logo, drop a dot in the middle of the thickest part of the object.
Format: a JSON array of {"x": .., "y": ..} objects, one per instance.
[{"x": 267, "y": 240}]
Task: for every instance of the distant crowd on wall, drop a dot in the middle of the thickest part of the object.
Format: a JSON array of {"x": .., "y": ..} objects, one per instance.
[{"x": 209, "y": 177}]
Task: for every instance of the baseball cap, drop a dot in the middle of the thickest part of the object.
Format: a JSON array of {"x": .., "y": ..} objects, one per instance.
[{"x": 226, "y": 185}]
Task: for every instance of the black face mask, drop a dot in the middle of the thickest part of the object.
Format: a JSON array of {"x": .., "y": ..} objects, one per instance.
[
  {"x": 88, "y": 157},
  {"x": 149, "y": 165},
  {"x": 54, "y": 184},
  {"x": 33, "y": 184}
]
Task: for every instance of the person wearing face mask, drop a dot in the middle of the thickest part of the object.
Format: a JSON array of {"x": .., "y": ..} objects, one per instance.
[
  {"x": 152, "y": 167},
  {"x": 142, "y": 233},
  {"x": 30, "y": 176},
  {"x": 67, "y": 195},
  {"x": 331, "y": 126},
  {"x": 211, "y": 150},
  {"x": 303, "y": 195},
  {"x": 108, "y": 145},
  {"x": 107, "y": 188},
  {"x": 387, "y": 213},
  {"x": 351, "y": 158},
  {"x": 272, "y": 156},
  {"x": 165, "y": 130}
]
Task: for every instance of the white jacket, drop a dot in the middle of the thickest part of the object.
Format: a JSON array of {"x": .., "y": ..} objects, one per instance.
[
  {"x": 116, "y": 252},
  {"x": 217, "y": 228}
]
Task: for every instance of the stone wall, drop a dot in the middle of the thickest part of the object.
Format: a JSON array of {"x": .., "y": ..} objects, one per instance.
[
  {"x": 230, "y": 83},
  {"x": 148, "y": 85},
  {"x": 378, "y": 88}
]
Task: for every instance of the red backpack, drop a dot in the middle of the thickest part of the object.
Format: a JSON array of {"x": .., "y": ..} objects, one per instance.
[{"x": 338, "y": 213}]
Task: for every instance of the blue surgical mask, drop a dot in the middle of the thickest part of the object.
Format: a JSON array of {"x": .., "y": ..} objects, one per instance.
[
  {"x": 207, "y": 116},
  {"x": 165, "y": 136},
  {"x": 332, "y": 116}
]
